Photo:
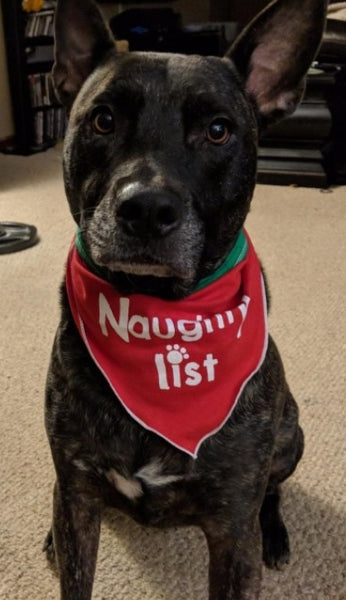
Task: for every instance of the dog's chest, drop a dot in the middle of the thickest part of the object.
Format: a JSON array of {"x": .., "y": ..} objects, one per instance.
[{"x": 151, "y": 494}]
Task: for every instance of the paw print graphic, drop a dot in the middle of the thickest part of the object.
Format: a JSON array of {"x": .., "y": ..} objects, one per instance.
[{"x": 176, "y": 354}]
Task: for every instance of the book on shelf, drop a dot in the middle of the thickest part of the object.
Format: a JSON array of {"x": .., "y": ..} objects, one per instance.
[
  {"x": 49, "y": 125},
  {"x": 41, "y": 90},
  {"x": 40, "y": 24}
]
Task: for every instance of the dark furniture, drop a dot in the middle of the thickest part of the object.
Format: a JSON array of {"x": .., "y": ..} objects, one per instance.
[
  {"x": 309, "y": 148},
  {"x": 292, "y": 152},
  {"x": 241, "y": 11},
  {"x": 161, "y": 30}
]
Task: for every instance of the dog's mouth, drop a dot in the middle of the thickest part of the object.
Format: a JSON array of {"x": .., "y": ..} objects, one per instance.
[
  {"x": 146, "y": 269},
  {"x": 160, "y": 259},
  {"x": 136, "y": 275}
]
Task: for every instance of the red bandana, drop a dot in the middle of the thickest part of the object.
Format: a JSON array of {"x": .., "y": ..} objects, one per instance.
[{"x": 177, "y": 366}]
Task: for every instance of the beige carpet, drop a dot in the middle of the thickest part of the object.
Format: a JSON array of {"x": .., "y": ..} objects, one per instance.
[{"x": 300, "y": 235}]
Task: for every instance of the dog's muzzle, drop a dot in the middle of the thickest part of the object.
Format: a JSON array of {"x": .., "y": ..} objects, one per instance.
[{"x": 150, "y": 214}]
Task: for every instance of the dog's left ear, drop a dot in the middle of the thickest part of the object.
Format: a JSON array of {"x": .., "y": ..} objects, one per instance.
[
  {"x": 82, "y": 40},
  {"x": 275, "y": 51}
]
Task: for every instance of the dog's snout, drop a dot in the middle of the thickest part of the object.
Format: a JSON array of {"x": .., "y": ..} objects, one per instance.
[{"x": 150, "y": 214}]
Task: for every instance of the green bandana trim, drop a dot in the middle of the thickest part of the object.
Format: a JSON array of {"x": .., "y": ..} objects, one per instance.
[{"x": 235, "y": 256}]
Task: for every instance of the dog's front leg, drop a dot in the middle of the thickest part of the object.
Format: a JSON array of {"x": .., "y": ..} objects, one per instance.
[
  {"x": 76, "y": 532},
  {"x": 234, "y": 564}
]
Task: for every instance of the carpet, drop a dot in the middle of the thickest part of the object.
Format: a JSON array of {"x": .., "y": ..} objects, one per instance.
[{"x": 300, "y": 236}]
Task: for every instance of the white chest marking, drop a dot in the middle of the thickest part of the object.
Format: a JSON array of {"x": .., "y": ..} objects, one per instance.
[
  {"x": 128, "y": 487},
  {"x": 150, "y": 474}
]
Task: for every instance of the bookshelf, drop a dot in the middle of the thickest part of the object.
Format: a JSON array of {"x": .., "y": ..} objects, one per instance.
[{"x": 38, "y": 118}]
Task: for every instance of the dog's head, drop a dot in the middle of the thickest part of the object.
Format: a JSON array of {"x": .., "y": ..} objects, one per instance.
[{"x": 160, "y": 151}]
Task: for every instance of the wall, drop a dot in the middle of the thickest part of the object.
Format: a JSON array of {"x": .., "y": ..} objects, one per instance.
[{"x": 6, "y": 122}]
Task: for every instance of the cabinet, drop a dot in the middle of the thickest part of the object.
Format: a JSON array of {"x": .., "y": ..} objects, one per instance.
[{"x": 39, "y": 119}]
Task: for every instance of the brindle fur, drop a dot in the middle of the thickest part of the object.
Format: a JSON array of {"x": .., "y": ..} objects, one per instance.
[{"x": 162, "y": 105}]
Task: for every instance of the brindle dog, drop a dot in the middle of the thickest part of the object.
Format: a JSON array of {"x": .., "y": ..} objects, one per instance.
[{"x": 178, "y": 134}]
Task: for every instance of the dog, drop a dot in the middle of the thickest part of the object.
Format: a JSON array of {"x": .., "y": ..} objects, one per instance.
[{"x": 165, "y": 396}]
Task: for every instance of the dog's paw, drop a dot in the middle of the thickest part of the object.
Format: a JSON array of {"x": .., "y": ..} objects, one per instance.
[
  {"x": 48, "y": 547},
  {"x": 276, "y": 546}
]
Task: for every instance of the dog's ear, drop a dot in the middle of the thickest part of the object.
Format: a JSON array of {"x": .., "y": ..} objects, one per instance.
[
  {"x": 82, "y": 40},
  {"x": 274, "y": 52}
]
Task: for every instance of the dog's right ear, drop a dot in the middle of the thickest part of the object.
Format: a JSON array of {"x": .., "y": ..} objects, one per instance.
[{"x": 82, "y": 40}]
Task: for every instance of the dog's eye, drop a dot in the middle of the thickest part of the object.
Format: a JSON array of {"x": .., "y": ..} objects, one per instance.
[
  {"x": 219, "y": 131},
  {"x": 102, "y": 120}
]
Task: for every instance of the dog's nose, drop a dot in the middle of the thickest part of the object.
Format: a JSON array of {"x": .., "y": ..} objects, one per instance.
[{"x": 150, "y": 214}]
